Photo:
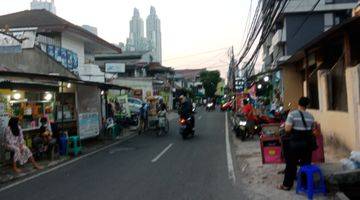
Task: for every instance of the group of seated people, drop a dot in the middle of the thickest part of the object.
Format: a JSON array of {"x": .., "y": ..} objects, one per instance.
[{"x": 14, "y": 142}]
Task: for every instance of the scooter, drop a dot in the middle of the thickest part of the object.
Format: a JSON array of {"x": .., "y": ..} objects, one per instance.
[
  {"x": 210, "y": 106},
  {"x": 163, "y": 123},
  {"x": 186, "y": 129},
  {"x": 240, "y": 127}
]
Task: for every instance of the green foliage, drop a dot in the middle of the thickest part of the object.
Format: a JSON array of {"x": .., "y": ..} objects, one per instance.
[{"x": 210, "y": 79}]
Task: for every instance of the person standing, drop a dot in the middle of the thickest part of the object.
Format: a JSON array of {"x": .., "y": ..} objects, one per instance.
[
  {"x": 14, "y": 139},
  {"x": 299, "y": 124}
]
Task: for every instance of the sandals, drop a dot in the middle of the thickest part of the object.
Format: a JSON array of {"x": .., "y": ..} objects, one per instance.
[{"x": 282, "y": 187}]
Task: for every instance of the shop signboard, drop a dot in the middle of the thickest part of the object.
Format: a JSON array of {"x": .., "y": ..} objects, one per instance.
[
  {"x": 115, "y": 67},
  {"x": 124, "y": 104},
  {"x": 88, "y": 125}
]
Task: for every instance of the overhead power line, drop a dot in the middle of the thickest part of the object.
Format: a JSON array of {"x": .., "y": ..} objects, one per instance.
[{"x": 274, "y": 13}]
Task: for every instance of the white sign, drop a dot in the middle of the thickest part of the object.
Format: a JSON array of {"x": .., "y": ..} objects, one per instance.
[
  {"x": 115, "y": 67},
  {"x": 89, "y": 125}
]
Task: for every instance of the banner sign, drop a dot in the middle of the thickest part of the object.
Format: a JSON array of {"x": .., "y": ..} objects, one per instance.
[
  {"x": 124, "y": 105},
  {"x": 88, "y": 125},
  {"x": 64, "y": 56}
]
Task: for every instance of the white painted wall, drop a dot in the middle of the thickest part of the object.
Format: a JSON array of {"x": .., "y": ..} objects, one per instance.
[{"x": 136, "y": 83}]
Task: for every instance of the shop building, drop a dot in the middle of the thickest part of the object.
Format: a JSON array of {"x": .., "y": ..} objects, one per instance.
[
  {"x": 327, "y": 70},
  {"x": 47, "y": 70}
]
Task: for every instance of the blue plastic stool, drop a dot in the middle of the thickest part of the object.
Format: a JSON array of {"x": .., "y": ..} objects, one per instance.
[
  {"x": 74, "y": 145},
  {"x": 63, "y": 145},
  {"x": 310, "y": 188}
]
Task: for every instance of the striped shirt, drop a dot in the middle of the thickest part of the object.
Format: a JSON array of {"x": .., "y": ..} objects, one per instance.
[{"x": 294, "y": 120}]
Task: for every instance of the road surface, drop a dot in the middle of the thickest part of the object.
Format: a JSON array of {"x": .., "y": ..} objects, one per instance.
[{"x": 146, "y": 167}]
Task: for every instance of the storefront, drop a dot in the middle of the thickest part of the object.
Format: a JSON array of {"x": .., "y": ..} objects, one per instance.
[
  {"x": 29, "y": 102},
  {"x": 72, "y": 106}
]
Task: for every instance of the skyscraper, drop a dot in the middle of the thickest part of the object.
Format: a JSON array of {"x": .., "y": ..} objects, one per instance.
[
  {"x": 136, "y": 40},
  {"x": 43, "y": 4},
  {"x": 153, "y": 34}
]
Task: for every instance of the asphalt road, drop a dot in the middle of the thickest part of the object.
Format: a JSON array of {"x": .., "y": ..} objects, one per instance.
[{"x": 145, "y": 167}]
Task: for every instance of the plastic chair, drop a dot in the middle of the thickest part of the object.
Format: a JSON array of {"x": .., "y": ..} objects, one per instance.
[
  {"x": 310, "y": 187},
  {"x": 74, "y": 145},
  {"x": 63, "y": 145},
  {"x": 117, "y": 129}
]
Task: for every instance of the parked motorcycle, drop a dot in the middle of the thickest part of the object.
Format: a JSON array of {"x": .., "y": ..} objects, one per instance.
[
  {"x": 240, "y": 127},
  {"x": 163, "y": 123},
  {"x": 186, "y": 129},
  {"x": 210, "y": 106}
]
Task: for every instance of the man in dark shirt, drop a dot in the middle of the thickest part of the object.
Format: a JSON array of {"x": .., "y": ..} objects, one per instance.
[{"x": 186, "y": 109}]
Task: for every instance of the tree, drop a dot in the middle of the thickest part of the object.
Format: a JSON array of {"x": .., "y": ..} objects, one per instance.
[{"x": 210, "y": 79}]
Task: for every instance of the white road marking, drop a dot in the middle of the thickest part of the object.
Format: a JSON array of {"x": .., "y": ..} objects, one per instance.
[
  {"x": 64, "y": 164},
  {"x": 162, "y": 153},
  {"x": 228, "y": 152}
]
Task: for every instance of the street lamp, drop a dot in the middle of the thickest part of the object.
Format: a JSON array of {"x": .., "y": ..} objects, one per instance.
[{"x": 259, "y": 86}]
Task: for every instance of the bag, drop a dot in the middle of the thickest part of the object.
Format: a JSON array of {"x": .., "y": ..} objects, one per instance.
[{"x": 312, "y": 139}]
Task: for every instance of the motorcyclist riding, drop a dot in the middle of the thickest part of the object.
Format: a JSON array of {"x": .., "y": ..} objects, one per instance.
[
  {"x": 185, "y": 110},
  {"x": 248, "y": 111}
]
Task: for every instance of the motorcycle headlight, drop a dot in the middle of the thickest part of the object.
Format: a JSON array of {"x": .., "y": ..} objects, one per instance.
[{"x": 242, "y": 123}]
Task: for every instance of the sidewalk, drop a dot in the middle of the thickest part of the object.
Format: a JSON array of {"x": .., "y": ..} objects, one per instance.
[
  {"x": 7, "y": 176},
  {"x": 261, "y": 180}
]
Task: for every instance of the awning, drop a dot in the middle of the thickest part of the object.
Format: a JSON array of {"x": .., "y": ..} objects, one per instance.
[{"x": 45, "y": 77}]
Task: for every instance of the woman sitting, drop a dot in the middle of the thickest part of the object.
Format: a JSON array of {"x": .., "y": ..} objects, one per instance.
[{"x": 14, "y": 141}]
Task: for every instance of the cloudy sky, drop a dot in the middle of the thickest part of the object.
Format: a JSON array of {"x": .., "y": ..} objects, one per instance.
[{"x": 195, "y": 33}]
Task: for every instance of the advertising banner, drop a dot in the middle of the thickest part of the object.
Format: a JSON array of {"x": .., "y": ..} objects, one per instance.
[
  {"x": 124, "y": 104},
  {"x": 88, "y": 125}
]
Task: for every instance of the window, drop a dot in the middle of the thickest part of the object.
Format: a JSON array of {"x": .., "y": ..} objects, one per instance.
[
  {"x": 328, "y": 21},
  {"x": 337, "y": 94},
  {"x": 313, "y": 91}
]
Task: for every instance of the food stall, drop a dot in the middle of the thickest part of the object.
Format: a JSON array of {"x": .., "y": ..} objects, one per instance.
[
  {"x": 152, "y": 114},
  {"x": 29, "y": 102},
  {"x": 66, "y": 118}
]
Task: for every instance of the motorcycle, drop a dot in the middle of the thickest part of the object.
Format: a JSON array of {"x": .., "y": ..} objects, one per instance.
[
  {"x": 244, "y": 128},
  {"x": 240, "y": 127},
  {"x": 186, "y": 129},
  {"x": 210, "y": 106},
  {"x": 163, "y": 123}
]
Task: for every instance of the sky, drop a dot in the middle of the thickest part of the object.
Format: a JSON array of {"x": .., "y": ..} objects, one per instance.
[{"x": 195, "y": 33}]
